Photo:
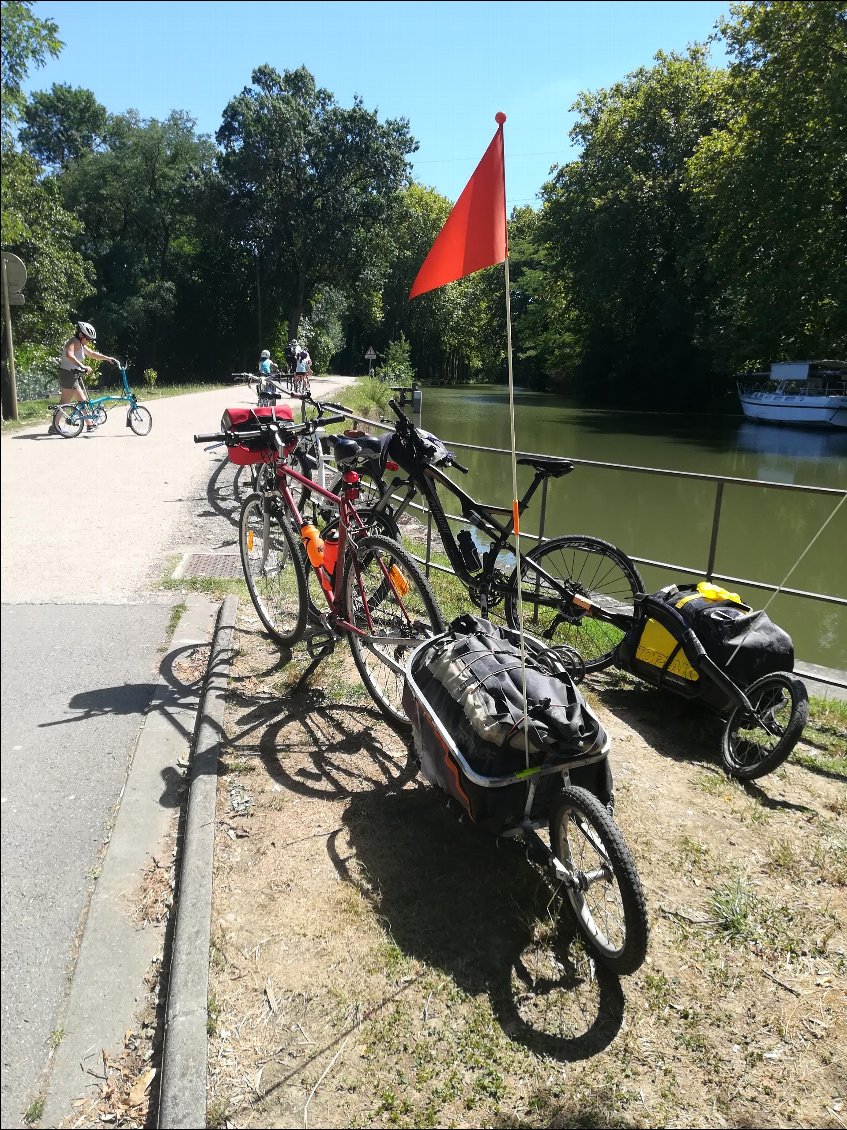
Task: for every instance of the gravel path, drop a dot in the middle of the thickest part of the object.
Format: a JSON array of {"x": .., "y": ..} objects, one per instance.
[{"x": 95, "y": 519}]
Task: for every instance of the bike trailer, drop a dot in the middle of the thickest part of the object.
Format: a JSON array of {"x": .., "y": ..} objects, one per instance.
[
  {"x": 245, "y": 420},
  {"x": 675, "y": 628},
  {"x": 464, "y": 697}
]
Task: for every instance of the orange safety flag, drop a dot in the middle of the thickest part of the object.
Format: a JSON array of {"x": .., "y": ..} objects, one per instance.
[{"x": 474, "y": 235}]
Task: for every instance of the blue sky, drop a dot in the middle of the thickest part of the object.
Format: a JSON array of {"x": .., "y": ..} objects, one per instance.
[{"x": 447, "y": 67}]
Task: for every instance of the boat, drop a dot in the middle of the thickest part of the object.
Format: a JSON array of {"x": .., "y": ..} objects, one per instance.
[{"x": 810, "y": 393}]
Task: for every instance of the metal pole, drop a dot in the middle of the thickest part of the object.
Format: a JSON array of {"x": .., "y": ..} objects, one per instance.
[
  {"x": 10, "y": 348},
  {"x": 716, "y": 519}
]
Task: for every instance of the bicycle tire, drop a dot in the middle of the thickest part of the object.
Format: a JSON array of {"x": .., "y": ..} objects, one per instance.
[
  {"x": 139, "y": 419},
  {"x": 68, "y": 421},
  {"x": 589, "y": 567},
  {"x": 752, "y": 746},
  {"x": 375, "y": 606},
  {"x": 607, "y": 903},
  {"x": 273, "y": 569}
]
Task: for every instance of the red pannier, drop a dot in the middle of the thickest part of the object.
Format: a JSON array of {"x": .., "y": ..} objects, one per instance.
[{"x": 245, "y": 420}]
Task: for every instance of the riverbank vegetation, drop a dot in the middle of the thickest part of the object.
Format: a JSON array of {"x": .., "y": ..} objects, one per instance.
[{"x": 699, "y": 231}]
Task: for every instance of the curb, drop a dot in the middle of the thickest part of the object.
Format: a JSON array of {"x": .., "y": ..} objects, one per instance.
[
  {"x": 108, "y": 978},
  {"x": 182, "y": 1097}
]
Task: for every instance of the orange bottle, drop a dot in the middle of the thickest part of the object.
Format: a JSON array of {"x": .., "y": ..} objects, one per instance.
[{"x": 313, "y": 542}]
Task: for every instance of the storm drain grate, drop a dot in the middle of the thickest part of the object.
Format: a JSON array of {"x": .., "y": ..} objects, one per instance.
[{"x": 222, "y": 565}]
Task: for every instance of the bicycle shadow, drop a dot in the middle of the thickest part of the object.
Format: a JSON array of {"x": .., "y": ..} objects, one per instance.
[{"x": 460, "y": 901}]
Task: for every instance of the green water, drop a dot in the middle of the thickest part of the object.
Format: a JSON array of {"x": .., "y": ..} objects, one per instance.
[{"x": 763, "y": 531}]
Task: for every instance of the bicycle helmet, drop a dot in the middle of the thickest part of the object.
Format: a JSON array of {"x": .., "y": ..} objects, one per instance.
[
  {"x": 265, "y": 354},
  {"x": 87, "y": 330}
]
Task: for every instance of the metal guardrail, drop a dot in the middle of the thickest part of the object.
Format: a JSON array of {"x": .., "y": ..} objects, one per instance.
[{"x": 720, "y": 481}]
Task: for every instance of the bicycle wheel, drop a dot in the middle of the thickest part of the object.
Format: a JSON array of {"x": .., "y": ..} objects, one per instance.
[
  {"x": 577, "y": 564},
  {"x": 606, "y": 900},
  {"x": 387, "y": 598},
  {"x": 270, "y": 557},
  {"x": 67, "y": 420},
  {"x": 755, "y": 744},
  {"x": 139, "y": 419},
  {"x": 98, "y": 415}
]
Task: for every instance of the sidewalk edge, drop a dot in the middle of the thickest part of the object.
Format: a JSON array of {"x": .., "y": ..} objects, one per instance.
[{"x": 182, "y": 1097}]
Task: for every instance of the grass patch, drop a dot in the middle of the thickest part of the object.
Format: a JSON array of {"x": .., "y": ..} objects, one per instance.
[
  {"x": 35, "y": 1110},
  {"x": 177, "y": 613}
]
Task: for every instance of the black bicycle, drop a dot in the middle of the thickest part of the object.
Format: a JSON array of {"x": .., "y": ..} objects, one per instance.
[{"x": 577, "y": 590}]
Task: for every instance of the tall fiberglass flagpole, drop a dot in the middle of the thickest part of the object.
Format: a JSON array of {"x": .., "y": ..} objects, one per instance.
[{"x": 500, "y": 118}]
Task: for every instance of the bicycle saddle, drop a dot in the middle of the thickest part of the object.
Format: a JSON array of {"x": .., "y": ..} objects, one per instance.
[
  {"x": 370, "y": 448},
  {"x": 546, "y": 465}
]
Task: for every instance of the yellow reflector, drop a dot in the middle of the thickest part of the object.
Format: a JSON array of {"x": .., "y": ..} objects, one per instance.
[
  {"x": 398, "y": 580},
  {"x": 249, "y": 541}
]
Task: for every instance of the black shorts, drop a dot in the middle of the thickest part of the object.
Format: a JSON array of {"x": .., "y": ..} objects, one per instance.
[{"x": 69, "y": 381}]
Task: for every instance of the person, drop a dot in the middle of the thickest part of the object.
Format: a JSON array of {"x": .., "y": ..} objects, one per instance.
[
  {"x": 292, "y": 352},
  {"x": 268, "y": 369},
  {"x": 304, "y": 371},
  {"x": 72, "y": 365}
]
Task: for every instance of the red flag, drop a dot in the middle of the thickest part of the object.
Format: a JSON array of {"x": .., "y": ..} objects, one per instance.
[{"x": 474, "y": 235}]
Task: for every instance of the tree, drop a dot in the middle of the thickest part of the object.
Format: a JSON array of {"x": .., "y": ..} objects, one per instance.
[
  {"x": 23, "y": 40},
  {"x": 619, "y": 225},
  {"x": 62, "y": 125},
  {"x": 770, "y": 187},
  {"x": 306, "y": 185}
]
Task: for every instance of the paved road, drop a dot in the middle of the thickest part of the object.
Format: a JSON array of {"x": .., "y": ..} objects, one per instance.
[{"x": 88, "y": 528}]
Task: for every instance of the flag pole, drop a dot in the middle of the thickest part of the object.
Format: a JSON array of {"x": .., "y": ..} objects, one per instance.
[{"x": 500, "y": 118}]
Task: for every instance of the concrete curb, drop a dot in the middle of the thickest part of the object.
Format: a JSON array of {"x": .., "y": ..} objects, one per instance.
[
  {"x": 115, "y": 954},
  {"x": 182, "y": 1099}
]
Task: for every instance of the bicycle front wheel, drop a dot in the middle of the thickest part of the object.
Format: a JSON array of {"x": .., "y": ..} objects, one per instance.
[
  {"x": 67, "y": 420},
  {"x": 270, "y": 557},
  {"x": 388, "y": 599},
  {"x": 576, "y": 565},
  {"x": 605, "y": 893},
  {"x": 139, "y": 419}
]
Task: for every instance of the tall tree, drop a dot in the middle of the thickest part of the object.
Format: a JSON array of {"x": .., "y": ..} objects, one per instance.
[
  {"x": 770, "y": 186},
  {"x": 307, "y": 185},
  {"x": 24, "y": 39},
  {"x": 62, "y": 125},
  {"x": 619, "y": 224}
]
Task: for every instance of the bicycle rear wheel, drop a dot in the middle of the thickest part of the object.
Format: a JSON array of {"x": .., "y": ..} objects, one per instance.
[
  {"x": 389, "y": 600},
  {"x": 756, "y": 743},
  {"x": 606, "y": 898},
  {"x": 577, "y": 565},
  {"x": 139, "y": 419},
  {"x": 67, "y": 420},
  {"x": 270, "y": 557}
]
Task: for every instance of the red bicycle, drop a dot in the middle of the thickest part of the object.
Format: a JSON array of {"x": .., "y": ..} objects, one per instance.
[{"x": 371, "y": 589}]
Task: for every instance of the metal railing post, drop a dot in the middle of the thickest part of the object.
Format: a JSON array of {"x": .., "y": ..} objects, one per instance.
[
  {"x": 716, "y": 520},
  {"x": 428, "y": 540}
]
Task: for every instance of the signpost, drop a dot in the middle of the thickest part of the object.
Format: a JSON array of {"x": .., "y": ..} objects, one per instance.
[
  {"x": 14, "y": 278},
  {"x": 371, "y": 357}
]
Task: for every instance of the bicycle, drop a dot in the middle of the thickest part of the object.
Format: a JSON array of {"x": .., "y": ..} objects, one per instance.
[
  {"x": 69, "y": 419},
  {"x": 555, "y": 574},
  {"x": 373, "y": 591}
]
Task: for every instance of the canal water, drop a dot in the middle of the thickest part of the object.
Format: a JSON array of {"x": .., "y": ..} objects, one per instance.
[{"x": 763, "y": 531}]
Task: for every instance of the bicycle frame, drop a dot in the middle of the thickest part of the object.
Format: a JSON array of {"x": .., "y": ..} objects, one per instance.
[
  {"x": 128, "y": 397},
  {"x": 346, "y": 510}
]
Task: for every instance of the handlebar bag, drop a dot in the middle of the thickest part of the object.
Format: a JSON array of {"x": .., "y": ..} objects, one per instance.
[{"x": 245, "y": 420}]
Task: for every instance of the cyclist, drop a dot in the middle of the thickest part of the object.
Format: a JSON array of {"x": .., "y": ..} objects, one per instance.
[
  {"x": 303, "y": 372},
  {"x": 268, "y": 369},
  {"x": 72, "y": 365}
]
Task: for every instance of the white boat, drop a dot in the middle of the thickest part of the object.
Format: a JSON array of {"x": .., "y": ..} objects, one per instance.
[{"x": 797, "y": 392}]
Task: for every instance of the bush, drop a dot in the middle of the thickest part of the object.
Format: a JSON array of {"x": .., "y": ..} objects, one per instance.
[
  {"x": 397, "y": 367},
  {"x": 36, "y": 372},
  {"x": 369, "y": 397},
  {"x": 150, "y": 377}
]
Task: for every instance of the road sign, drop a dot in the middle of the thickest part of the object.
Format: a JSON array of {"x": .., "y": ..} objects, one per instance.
[
  {"x": 15, "y": 298},
  {"x": 371, "y": 354},
  {"x": 15, "y": 274}
]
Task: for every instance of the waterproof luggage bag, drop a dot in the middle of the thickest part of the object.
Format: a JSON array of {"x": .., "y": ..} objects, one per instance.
[
  {"x": 464, "y": 697},
  {"x": 743, "y": 643},
  {"x": 245, "y": 420}
]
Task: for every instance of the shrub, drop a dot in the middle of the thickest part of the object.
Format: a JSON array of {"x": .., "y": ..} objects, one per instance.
[
  {"x": 36, "y": 372},
  {"x": 397, "y": 367},
  {"x": 150, "y": 377}
]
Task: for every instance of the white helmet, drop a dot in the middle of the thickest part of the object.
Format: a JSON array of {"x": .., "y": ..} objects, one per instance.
[
  {"x": 87, "y": 330},
  {"x": 265, "y": 354}
]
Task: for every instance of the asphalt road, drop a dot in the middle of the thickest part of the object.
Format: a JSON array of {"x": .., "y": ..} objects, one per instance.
[{"x": 89, "y": 527}]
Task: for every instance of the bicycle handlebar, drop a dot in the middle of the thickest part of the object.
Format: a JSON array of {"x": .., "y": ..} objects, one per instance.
[
  {"x": 209, "y": 437},
  {"x": 232, "y": 438}
]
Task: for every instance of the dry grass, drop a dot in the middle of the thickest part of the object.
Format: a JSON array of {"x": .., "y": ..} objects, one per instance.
[{"x": 377, "y": 962}]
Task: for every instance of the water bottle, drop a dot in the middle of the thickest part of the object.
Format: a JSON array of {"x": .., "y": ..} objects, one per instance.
[
  {"x": 314, "y": 544},
  {"x": 330, "y": 553}
]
